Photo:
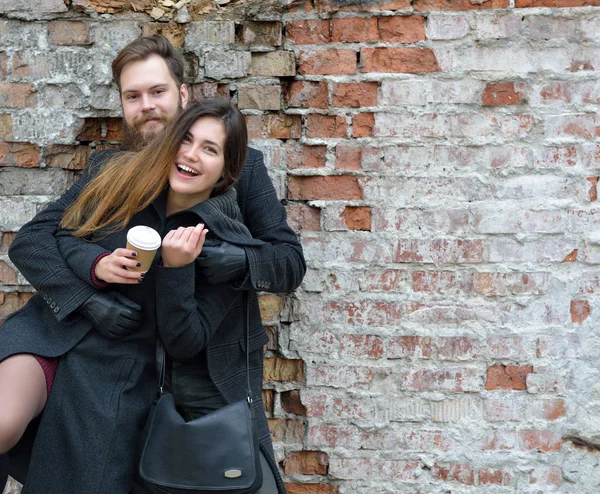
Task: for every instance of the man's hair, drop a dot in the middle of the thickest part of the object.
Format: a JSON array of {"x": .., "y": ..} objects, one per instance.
[{"x": 143, "y": 48}]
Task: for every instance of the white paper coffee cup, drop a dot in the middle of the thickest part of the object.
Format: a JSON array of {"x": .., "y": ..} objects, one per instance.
[{"x": 145, "y": 241}]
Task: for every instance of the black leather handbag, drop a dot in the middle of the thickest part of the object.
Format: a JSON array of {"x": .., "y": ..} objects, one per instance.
[{"x": 217, "y": 452}]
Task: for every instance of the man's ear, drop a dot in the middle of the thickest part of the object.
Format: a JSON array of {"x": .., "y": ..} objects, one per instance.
[{"x": 183, "y": 91}]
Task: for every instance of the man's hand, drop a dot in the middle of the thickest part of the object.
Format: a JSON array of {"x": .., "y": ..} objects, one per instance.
[
  {"x": 182, "y": 246},
  {"x": 112, "y": 314},
  {"x": 222, "y": 262},
  {"x": 113, "y": 268}
]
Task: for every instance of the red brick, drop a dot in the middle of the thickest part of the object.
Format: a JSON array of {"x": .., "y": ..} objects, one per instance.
[
  {"x": 357, "y": 217},
  {"x": 174, "y": 32},
  {"x": 305, "y": 157},
  {"x": 429, "y": 281},
  {"x": 29, "y": 65},
  {"x": 8, "y": 276},
  {"x": 383, "y": 281},
  {"x": 287, "y": 430},
  {"x": 580, "y": 311},
  {"x": 358, "y": 345},
  {"x": 401, "y": 29},
  {"x": 335, "y": 5},
  {"x": 449, "y": 379},
  {"x": 267, "y": 33},
  {"x": 507, "y": 377},
  {"x": 305, "y": 463},
  {"x": 17, "y": 95},
  {"x": 494, "y": 477},
  {"x": 3, "y": 65},
  {"x": 355, "y": 94},
  {"x": 543, "y": 441},
  {"x": 22, "y": 154},
  {"x": 340, "y": 187},
  {"x": 593, "y": 192},
  {"x": 348, "y": 157},
  {"x": 209, "y": 90},
  {"x": 464, "y": 474},
  {"x": 308, "y": 32},
  {"x": 547, "y": 476},
  {"x": 99, "y": 129},
  {"x": 311, "y": 488},
  {"x": 274, "y": 126},
  {"x": 330, "y": 126},
  {"x": 410, "y": 60},
  {"x": 327, "y": 62},
  {"x": 6, "y": 239},
  {"x": 306, "y": 94},
  {"x": 362, "y": 125},
  {"x": 67, "y": 157},
  {"x": 11, "y": 302},
  {"x": 439, "y": 251},
  {"x": 281, "y": 369},
  {"x": 556, "y": 3},
  {"x": 457, "y": 348},
  {"x": 557, "y": 91},
  {"x": 428, "y": 5},
  {"x": 553, "y": 410},
  {"x": 69, "y": 32},
  {"x": 304, "y": 217},
  {"x": 268, "y": 398},
  {"x": 572, "y": 257},
  {"x": 503, "y": 93},
  {"x": 291, "y": 402},
  {"x": 355, "y": 29}
]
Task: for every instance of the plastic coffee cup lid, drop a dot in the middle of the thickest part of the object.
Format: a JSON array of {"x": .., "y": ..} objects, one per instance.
[{"x": 144, "y": 237}]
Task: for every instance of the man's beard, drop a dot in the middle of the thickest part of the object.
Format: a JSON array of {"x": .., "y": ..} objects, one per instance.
[{"x": 136, "y": 139}]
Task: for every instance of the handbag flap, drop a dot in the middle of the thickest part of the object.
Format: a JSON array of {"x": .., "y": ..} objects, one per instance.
[{"x": 218, "y": 451}]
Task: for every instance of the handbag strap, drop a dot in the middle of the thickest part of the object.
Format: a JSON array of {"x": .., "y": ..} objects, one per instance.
[{"x": 161, "y": 357}]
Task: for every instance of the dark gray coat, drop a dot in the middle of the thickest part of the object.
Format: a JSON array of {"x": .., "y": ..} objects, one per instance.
[{"x": 95, "y": 410}]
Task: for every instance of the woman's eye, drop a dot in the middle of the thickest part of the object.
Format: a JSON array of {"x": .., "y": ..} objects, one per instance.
[{"x": 211, "y": 150}]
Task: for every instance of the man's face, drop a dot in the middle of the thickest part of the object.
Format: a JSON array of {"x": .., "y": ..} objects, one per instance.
[{"x": 150, "y": 98}]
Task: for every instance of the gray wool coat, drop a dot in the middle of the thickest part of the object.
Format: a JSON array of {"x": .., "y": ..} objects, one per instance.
[{"x": 88, "y": 432}]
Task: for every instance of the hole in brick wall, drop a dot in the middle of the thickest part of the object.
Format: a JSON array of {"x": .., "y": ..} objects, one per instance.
[{"x": 578, "y": 442}]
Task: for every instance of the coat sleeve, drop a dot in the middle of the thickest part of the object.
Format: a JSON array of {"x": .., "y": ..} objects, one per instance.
[
  {"x": 35, "y": 252},
  {"x": 187, "y": 313},
  {"x": 278, "y": 265},
  {"x": 79, "y": 254}
]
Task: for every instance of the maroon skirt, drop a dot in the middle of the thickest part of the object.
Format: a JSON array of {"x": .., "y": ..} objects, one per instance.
[{"x": 49, "y": 366}]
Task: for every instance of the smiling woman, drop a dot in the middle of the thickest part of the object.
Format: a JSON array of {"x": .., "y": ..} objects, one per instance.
[{"x": 199, "y": 164}]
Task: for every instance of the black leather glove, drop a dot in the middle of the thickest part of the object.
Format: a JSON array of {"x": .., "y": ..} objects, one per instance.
[
  {"x": 220, "y": 262},
  {"x": 112, "y": 314}
]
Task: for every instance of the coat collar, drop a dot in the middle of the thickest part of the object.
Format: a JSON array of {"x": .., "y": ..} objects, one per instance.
[{"x": 221, "y": 215}]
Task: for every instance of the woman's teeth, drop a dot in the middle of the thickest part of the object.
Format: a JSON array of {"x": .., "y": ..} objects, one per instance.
[{"x": 187, "y": 169}]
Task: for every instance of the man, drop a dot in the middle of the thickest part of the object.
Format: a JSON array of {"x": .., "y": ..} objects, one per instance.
[{"x": 149, "y": 75}]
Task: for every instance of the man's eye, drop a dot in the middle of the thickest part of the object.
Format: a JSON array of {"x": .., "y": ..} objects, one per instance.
[{"x": 131, "y": 96}]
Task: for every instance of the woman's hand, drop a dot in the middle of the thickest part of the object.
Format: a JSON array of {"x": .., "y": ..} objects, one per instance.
[
  {"x": 112, "y": 268},
  {"x": 183, "y": 246}
]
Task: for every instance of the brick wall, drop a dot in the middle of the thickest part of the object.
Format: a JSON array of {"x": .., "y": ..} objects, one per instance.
[{"x": 440, "y": 161}]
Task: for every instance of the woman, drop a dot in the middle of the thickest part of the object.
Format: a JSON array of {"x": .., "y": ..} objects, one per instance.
[{"x": 180, "y": 185}]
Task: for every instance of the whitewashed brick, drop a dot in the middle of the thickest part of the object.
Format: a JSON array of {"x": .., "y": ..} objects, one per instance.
[
  {"x": 199, "y": 34},
  {"x": 226, "y": 64},
  {"x": 440, "y": 26},
  {"x": 407, "y": 92}
]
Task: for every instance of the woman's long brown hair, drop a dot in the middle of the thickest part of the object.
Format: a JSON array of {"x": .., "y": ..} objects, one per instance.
[{"x": 131, "y": 181}]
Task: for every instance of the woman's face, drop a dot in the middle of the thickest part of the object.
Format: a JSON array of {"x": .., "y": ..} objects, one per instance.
[{"x": 199, "y": 162}]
